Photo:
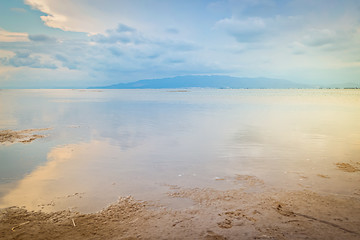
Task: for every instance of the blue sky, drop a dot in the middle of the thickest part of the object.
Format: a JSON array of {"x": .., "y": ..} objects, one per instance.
[{"x": 47, "y": 43}]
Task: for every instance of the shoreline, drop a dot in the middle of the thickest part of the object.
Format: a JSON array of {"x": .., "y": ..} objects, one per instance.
[
  {"x": 215, "y": 214},
  {"x": 252, "y": 210}
]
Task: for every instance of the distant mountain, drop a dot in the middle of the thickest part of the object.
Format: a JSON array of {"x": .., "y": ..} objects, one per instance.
[{"x": 207, "y": 81}]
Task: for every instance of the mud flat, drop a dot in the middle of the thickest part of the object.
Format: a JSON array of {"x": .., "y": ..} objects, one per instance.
[
  {"x": 215, "y": 214},
  {"x": 23, "y": 136}
]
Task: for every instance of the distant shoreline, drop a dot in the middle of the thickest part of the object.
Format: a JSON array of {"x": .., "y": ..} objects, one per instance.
[{"x": 94, "y": 89}]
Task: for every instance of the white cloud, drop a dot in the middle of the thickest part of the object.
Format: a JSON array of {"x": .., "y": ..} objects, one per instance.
[
  {"x": 68, "y": 15},
  {"x": 6, "y": 36}
]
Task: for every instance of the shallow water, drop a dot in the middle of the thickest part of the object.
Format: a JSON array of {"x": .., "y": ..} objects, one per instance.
[{"x": 111, "y": 143}]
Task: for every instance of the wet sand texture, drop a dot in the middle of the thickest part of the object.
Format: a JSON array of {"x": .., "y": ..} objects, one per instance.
[
  {"x": 349, "y": 167},
  {"x": 22, "y": 136},
  {"x": 232, "y": 214}
]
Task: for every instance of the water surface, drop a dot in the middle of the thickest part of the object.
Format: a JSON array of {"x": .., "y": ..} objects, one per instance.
[{"x": 111, "y": 143}]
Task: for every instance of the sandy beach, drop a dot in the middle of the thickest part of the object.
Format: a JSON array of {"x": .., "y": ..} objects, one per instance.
[{"x": 232, "y": 214}]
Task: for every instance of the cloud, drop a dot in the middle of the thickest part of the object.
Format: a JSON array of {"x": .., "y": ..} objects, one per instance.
[
  {"x": 122, "y": 28},
  {"x": 78, "y": 16},
  {"x": 320, "y": 37},
  {"x": 97, "y": 16},
  {"x": 122, "y": 34},
  {"x": 343, "y": 41},
  {"x": 6, "y": 53},
  {"x": 129, "y": 40},
  {"x": 61, "y": 58},
  {"x": 332, "y": 39},
  {"x": 247, "y": 30},
  {"x": 25, "y": 59},
  {"x": 6, "y": 36},
  {"x": 72, "y": 65},
  {"x": 53, "y": 18},
  {"x": 126, "y": 41},
  {"x": 109, "y": 59},
  {"x": 297, "y": 48},
  {"x": 75, "y": 16},
  {"x": 41, "y": 38},
  {"x": 116, "y": 51}
]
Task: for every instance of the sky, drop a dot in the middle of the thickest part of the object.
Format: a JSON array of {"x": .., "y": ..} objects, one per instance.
[{"x": 82, "y": 43}]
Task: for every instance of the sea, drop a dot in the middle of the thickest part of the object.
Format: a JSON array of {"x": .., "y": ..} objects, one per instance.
[{"x": 104, "y": 144}]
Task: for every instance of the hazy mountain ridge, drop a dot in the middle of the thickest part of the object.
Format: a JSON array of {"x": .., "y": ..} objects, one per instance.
[{"x": 208, "y": 81}]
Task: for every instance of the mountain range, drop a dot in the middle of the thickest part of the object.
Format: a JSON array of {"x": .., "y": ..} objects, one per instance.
[{"x": 207, "y": 81}]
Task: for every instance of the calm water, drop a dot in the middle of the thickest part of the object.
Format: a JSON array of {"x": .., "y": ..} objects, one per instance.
[{"x": 106, "y": 144}]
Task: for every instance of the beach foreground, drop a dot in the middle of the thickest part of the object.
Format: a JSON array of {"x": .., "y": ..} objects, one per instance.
[
  {"x": 202, "y": 164},
  {"x": 231, "y": 214}
]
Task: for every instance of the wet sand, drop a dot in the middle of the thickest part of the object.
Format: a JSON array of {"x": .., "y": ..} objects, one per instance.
[
  {"x": 349, "y": 167},
  {"x": 232, "y": 214},
  {"x": 22, "y": 136}
]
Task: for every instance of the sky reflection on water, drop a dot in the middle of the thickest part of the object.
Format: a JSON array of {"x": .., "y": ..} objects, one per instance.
[{"x": 106, "y": 144}]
